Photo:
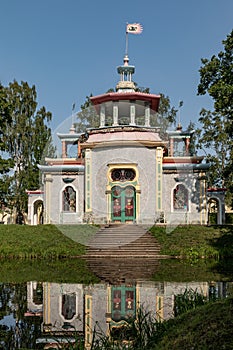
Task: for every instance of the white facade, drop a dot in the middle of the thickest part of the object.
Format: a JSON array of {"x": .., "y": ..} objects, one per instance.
[{"x": 125, "y": 171}]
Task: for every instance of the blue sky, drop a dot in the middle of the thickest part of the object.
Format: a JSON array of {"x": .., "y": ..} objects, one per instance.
[{"x": 71, "y": 48}]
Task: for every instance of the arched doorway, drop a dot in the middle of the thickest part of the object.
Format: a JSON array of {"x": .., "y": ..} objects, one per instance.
[
  {"x": 38, "y": 212},
  {"x": 214, "y": 212},
  {"x": 123, "y": 204}
]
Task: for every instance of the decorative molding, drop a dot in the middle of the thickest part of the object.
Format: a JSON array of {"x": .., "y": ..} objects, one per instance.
[{"x": 68, "y": 180}]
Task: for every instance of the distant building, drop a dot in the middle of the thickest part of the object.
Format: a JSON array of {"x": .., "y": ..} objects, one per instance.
[{"x": 125, "y": 170}]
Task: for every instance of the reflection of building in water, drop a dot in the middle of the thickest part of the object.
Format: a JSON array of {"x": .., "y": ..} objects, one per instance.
[
  {"x": 69, "y": 308},
  {"x": 34, "y": 299}
]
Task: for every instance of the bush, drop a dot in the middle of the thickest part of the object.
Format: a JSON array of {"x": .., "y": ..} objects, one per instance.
[{"x": 229, "y": 218}]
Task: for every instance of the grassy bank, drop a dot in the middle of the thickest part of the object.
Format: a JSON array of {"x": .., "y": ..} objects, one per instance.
[
  {"x": 207, "y": 327},
  {"x": 43, "y": 241},
  {"x": 65, "y": 241},
  {"x": 194, "y": 241}
]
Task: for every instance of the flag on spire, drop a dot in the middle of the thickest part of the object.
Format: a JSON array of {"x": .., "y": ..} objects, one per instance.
[{"x": 135, "y": 28}]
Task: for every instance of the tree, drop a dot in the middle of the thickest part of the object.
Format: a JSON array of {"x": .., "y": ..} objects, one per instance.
[
  {"x": 25, "y": 138},
  {"x": 87, "y": 117},
  {"x": 216, "y": 79},
  {"x": 215, "y": 135},
  {"x": 5, "y": 163},
  {"x": 217, "y": 145},
  {"x": 166, "y": 113}
]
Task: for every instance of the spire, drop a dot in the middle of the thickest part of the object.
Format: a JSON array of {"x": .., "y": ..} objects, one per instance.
[{"x": 125, "y": 71}]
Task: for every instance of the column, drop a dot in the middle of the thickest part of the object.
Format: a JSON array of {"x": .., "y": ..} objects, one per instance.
[
  {"x": 147, "y": 115},
  {"x": 187, "y": 145},
  {"x": 171, "y": 147},
  {"x": 102, "y": 115},
  {"x": 115, "y": 114},
  {"x": 64, "y": 149},
  {"x": 132, "y": 113}
]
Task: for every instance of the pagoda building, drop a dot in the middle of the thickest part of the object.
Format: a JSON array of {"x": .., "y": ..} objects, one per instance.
[{"x": 125, "y": 169}]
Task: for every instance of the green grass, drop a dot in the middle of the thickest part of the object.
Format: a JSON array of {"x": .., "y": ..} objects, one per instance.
[
  {"x": 65, "y": 241},
  {"x": 206, "y": 327},
  {"x": 43, "y": 241},
  {"x": 195, "y": 241}
]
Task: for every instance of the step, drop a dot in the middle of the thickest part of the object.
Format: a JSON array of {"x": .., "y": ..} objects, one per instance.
[{"x": 123, "y": 241}]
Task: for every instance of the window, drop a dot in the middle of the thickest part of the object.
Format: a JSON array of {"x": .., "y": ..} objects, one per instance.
[
  {"x": 68, "y": 306},
  {"x": 123, "y": 175},
  {"x": 69, "y": 199},
  {"x": 180, "y": 198}
]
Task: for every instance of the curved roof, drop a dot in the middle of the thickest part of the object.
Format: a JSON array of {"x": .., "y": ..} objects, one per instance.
[
  {"x": 119, "y": 96},
  {"x": 124, "y": 137}
]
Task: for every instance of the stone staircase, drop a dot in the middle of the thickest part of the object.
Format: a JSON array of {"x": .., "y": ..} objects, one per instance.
[
  {"x": 118, "y": 241},
  {"x": 123, "y": 254}
]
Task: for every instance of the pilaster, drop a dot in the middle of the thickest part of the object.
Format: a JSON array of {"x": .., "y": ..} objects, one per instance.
[
  {"x": 88, "y": 189},
  {"x": 158, "y": 178},
  {"x": 48, "y": 191}
]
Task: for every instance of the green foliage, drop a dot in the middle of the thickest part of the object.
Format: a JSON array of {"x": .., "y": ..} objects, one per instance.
[
  {"x": 25, "y": 136},
  {"x": 216, "y": 79},
  {"x": 166, "y": 112},
  {"x": 188, "y": 300},
  {"x": 194, "y": 242},
  {"x": 229, "y": 218},
  {"x": 87, "y": 118},
  {"x": 217, "y": 144},
  {"x": 5, "y": 162},
  {"x": 206, "y": 327}
]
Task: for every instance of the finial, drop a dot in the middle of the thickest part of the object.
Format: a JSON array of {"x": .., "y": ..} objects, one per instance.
[{"x": 126, "y": 60}]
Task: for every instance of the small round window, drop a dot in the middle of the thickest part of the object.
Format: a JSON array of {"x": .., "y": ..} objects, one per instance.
[{"x": 123, "y": 174}]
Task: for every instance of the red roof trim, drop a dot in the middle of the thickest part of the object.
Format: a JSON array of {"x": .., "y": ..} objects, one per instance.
[
  {"x": 185, "y": 159},
  {"x": 35, "y": 192},
  {"x": 65, "y": 161},
  {"x": 213, "y": 189},
  {"x": 117, "y": 96}
]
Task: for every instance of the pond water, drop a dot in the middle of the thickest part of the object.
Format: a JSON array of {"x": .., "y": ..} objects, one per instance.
[{"x": 40, "y": 313}]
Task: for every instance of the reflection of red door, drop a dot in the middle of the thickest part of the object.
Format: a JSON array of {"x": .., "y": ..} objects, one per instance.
[
  {"x": 123, "y": 302},
  {"x": 123, "y": 203}
]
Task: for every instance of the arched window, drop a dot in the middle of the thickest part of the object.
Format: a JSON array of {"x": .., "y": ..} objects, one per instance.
[
  {"x": 180, "y": 198},
  {"x": 69, "y": 199},
  {"x": 68, "y": 306}
]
